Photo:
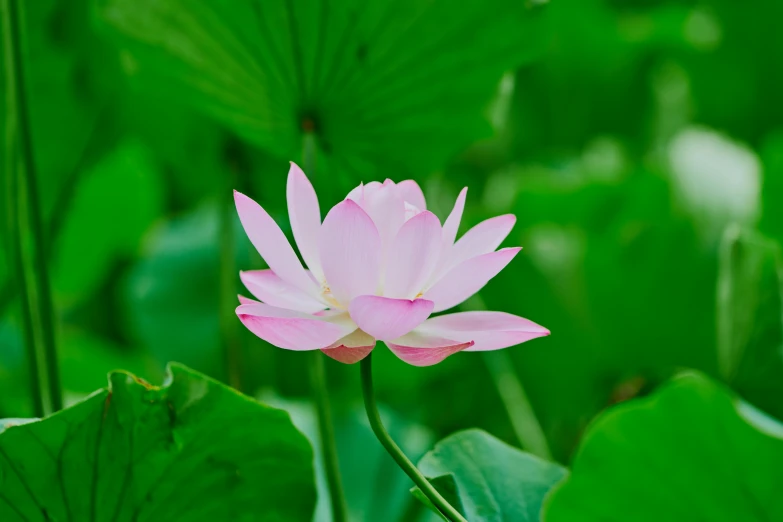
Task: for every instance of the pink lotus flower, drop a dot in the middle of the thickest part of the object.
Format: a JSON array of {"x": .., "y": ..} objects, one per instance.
[{"x": 379, "y": 265}]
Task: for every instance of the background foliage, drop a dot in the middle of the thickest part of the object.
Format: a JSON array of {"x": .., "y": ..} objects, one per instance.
[{"x": 639, "y": 144}]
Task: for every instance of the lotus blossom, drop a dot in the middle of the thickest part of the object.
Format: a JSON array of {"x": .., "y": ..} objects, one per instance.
[{"x": 378, "y": 266}]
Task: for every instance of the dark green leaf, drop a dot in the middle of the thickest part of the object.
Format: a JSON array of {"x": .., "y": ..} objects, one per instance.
[
  {"x": 391, "y": 87},
  {"x": 495, "y": 481},
  {"x": 682, "y": 454},
  {"x": 192, "y": 450}
]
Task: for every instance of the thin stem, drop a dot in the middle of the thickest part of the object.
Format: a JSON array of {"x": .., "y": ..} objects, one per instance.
[
  {"x": 39, "y": 300},
  {"x": 523, "y": 419},
  {"x": 319, "y": 389},
  {"x": 230, "y": 339},
  {"x": 391, "y": 447},
  {"x": 328, "y": 440}
]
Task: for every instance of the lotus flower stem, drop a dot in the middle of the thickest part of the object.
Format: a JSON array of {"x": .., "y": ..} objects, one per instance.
[
  {"x": 37, "y": 300},
  {"x": 402, "y": 461}
]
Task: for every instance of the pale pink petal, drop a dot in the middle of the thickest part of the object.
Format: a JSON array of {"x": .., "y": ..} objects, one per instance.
[
  {"x": 352, "y": 348},
  {"x": 412, "y": 257},
  {"x": 387, "y": 210},
  {"x": 357, "y": 194},
  {"x": 246, "y": 300},
  {"x": 420, "y": 349},
  {"x": 468, "y": 277},
  {"x": 272, "y": 244},
  {"x": 488, "y": 330},
  {"x": 305, "y": 217},
  {"x": 350, "y": 252},
  {"x": 272, "y": 290},
  {"x": 451, "y": 226},
  {"x": 481, "y": 239},
  {"x": 386, "y": 318},
  {"x": 411, "y": 193},
  {"x": 289, "y": 329}
]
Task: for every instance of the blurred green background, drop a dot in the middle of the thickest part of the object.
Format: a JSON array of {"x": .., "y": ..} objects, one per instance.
[{"x": 626, "y": 137}]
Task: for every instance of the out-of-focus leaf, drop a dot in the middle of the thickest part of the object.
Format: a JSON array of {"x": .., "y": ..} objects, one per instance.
[
  {"x": 682, "y": 454},
  {"x": 112, "y": 207},
  {"x": 171, "y": 296},
  {"x": 192, "y": 450},
  {"x": 370, "y": 79},
  {"x": 750, "y": 317},
  {"x": 86, "y": 358},
  {"x": 375, "y": 487},
  {"x": 494, "y": 481}
]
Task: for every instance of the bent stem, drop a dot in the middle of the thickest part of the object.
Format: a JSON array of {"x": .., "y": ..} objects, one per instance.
[
  {"x": 326, "y": 432},
  {"x": 391, "y": 447},
  {"x": 36, "y": 295}
]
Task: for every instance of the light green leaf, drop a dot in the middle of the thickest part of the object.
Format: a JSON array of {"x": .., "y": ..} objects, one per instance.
[
  {"x": 750, "y": 317},
  {"x": 386, "y": 86},
  {"x": 113, "y": 207},
  {"x": 192, "y": 450},
  {"x": 682, "y": 454},
  {"x": 495, "y": 481}
]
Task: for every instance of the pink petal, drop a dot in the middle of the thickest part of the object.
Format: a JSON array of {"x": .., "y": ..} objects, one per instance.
[
  {"x": 411, "y": 193},
  {"x": 289, "y": 329},
  {"x": 467, "y": 278},
  {"x": 272, "y": 244},
  {"x": 272, "y": 290},
  {"x": 386, "y": 208},
  {"x": 352, "y": 348},
  {"x": 305, "y": 217},
  {"x": 412, "y": 256},
  {"x": 386, "y": 318},
  {"x": 420, "y": 349},
  {"x": 481, "y": 239},
  {"x": 350, "y": 252},
  {"x": 451, "y": 226},
  {"x": 488, "y": 330},
  {"x": 246, "y": 300}
]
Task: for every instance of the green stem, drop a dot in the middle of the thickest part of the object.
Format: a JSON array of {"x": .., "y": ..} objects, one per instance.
[
  {"x": 523, "y": 419},
  {"x": 39, "y": 301},
  {"x": 328, "y": 440},
  {"x": 391, "y": 447},
  {"x": 320, "y": 391},
  {"x": 230, "y": 339}
]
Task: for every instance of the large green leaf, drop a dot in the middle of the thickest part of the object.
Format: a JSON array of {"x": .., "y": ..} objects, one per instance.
[
  {"x": 115, "y": 222},
  {"x": 192, "y": 450},
  {"x": 389, "y": 86},
  {"x": 495, "y": 482},
  {"x": 683, "y": 454},
  {"x": 750, "y": 317}
]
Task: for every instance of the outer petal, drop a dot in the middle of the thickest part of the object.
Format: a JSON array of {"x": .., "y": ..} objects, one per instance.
[
  {"x": 305, "y": 217},
  {"x": 352, "y": 348},
  {"x": 272, "y": 290},
  {"x": 467, "y": 278},
  {"x": 420, "y": 349},
  {"x": 289, "y": 329},
  {"x": 482, "y": 239},
  {"x": 488, "y": 330},
  {"x": 386, "y": 318},
  {"x": 411, "y": 192},
  {"x": 350, "y": 251},
  {"x": 412, "y": 257},
  {"x": 451, "y": 226},
  {"x": 272, "y": 244}
]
